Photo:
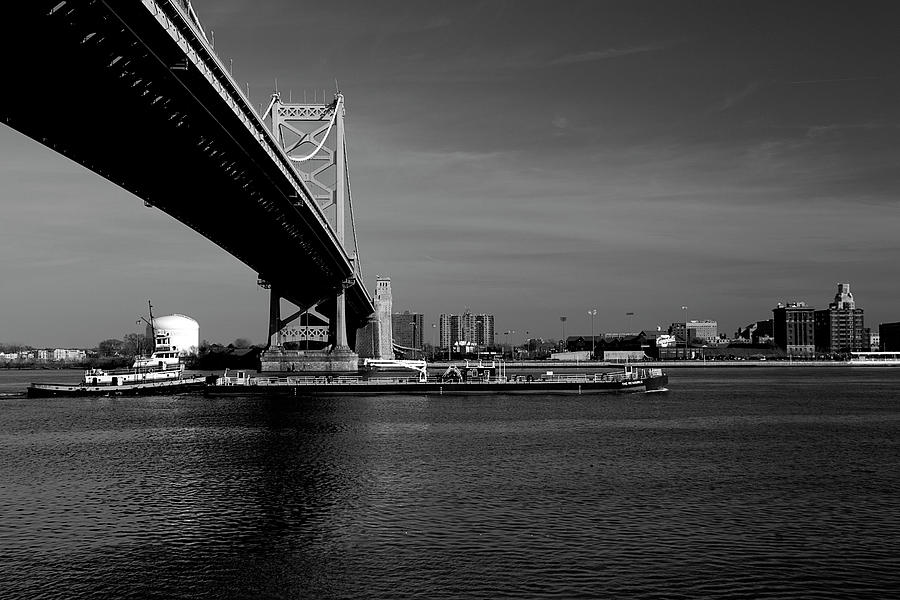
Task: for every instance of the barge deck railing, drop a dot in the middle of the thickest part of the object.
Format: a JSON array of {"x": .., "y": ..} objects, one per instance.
[{"x": 243, "y": 379}]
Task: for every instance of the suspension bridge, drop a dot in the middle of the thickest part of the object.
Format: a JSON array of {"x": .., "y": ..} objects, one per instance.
[{"x": 134, "y": 91}]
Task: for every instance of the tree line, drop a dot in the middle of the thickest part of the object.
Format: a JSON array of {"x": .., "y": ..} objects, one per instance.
[{"x": 131, "y": 345}]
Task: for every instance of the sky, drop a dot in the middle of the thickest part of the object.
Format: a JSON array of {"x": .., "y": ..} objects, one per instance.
[{"x": 525, "y": 159}]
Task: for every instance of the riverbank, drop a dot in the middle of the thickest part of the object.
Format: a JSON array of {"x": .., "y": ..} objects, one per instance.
[{"x": 673, "y": 364}]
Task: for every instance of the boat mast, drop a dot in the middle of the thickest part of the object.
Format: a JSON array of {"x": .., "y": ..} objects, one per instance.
[{"x": 152, "y": 327}]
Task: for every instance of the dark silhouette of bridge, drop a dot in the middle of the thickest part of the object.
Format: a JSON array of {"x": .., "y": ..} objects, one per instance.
[{"x": 133, "y": 90}]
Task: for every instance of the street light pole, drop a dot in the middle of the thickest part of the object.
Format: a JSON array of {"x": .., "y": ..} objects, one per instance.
[
  {"x": 684, "y": 314},
  {"x": 592, "y": 313},
  {"x": 563, "y": 321},
  {"x": 414, "y": 349},
  {"x": 433, "y": 327}
]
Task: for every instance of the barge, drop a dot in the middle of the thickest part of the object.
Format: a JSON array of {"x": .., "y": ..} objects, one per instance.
[{"x": 468, "y": 380}]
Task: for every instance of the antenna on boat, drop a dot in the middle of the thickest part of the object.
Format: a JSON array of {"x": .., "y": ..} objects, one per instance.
[
  {"x": 150, "y": 323},
  {"x": 152, "y": 327}
]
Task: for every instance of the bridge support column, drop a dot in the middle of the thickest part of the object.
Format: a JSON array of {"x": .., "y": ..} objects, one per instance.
[
  {"x": 274, "y": 320},
  {"x": 341, "y": 352},
  {"x": 342, "y": 357},
  {"x": 340, "y": 323},
  {"x": 340, "y": 199}
]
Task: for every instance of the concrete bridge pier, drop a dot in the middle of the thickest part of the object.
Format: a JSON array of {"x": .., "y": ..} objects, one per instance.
[{"x": 319, "y": 342}]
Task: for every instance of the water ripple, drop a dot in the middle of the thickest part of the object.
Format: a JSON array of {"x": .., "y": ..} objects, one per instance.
[{"x": 728, "y": 487}]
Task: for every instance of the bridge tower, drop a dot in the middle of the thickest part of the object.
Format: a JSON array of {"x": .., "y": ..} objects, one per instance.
[{"x": 313, "y": 138}]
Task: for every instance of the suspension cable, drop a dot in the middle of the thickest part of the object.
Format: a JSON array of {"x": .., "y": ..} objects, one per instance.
[
  {"x": 337, "y": 104},
  {"x": 350, "y": 205}
]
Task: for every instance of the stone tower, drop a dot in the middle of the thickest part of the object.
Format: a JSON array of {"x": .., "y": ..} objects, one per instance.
[
  {"x": 843, "y": 298},
  {"x": 384, "y": 306}
]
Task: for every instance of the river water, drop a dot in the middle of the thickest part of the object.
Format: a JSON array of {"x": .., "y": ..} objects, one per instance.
[{"x": 768, "y": 483}]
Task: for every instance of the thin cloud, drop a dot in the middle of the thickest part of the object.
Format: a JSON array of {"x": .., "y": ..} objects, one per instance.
[
  {"x": 820, "y": 130},
  {"x": 595, "y": 55},
  {"x": 437, "y": 23},
  {"x": 733, "y": 99},
  {"x": 838, "y": 80}
]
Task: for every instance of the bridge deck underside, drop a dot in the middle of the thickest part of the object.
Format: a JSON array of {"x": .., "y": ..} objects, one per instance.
[{"x": 110, "y": 89}]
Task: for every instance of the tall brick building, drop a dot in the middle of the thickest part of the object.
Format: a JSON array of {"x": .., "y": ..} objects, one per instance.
[
  {"x": 794, "y": 325},
  {"x": 841, "y": 327}
]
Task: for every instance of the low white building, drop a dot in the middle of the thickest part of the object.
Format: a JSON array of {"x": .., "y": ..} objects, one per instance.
[
  {"x": 66, "y": 355},
  {"x": 577, "y": 355},
  {"x": 464, "y": 347},
  {"x": 706, "y": 330},
  {"x": 624, "y": 356}
]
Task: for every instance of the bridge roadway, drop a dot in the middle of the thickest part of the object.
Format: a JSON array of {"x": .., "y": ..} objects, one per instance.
[{"x": 132, "y": 90}]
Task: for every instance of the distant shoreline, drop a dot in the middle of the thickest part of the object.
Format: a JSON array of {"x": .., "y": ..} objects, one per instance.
[
  {"x": 550, "y": 365},
  {"x": 679, "y": 364}
]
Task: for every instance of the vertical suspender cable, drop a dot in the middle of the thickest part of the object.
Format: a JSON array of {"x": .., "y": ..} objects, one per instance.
[{"x": 350, "y": 205}]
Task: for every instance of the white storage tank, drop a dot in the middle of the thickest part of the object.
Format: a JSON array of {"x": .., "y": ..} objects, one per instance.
[{"x": 180, "y": 332}]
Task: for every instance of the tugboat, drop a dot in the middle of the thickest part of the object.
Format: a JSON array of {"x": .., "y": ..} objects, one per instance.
[
  {"x": 469, "y": 379},
  {"x": 160, "y": 373}
]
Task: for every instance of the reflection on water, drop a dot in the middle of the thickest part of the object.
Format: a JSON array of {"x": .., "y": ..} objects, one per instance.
[{"x": 736, "y": 484}]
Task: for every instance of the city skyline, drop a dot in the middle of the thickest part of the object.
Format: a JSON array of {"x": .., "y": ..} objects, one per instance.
[
  {"x": 707, "y": 329},
  {"x": 629, "y": 157}
]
